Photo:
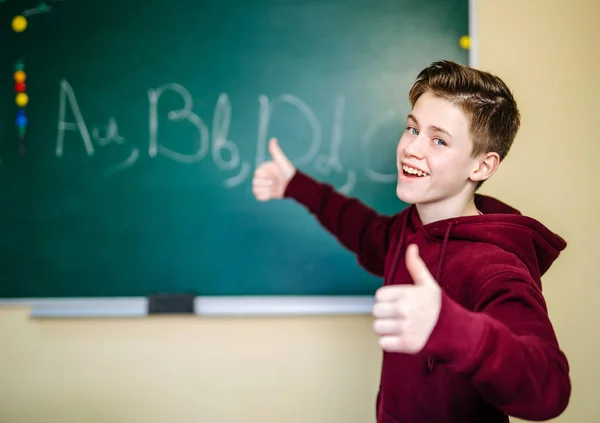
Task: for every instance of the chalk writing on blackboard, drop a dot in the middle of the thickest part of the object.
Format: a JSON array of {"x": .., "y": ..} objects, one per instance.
[{"x": 215, "y": 142}]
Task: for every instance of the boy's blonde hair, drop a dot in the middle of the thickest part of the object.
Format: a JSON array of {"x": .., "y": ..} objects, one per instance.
[{"x": 483, "y": 97}]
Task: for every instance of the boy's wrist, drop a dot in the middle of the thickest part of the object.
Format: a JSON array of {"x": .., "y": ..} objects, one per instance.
[
  {"x": 299, "y": 187},
  {"x": 457, "y": 336}
]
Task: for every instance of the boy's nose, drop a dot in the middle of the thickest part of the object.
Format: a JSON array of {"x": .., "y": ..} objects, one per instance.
[{"x": 415, "y": 148}]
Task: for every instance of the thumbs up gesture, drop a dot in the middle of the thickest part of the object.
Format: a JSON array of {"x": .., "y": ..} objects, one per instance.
[
  {"x": 405, "y": 315},
  {"x": 271, "y": 178}
]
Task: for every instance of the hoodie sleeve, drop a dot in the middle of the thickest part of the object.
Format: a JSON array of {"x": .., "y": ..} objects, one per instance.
[
  {"x": 507, "y": 348},
  {"x": 359, "y": 228}
]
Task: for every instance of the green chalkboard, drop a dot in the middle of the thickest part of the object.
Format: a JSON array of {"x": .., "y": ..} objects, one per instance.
[{"x": 147, "y": 119}]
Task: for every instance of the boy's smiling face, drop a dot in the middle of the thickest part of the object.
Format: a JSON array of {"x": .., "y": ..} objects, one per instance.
[{"x": 434, "y": 155}]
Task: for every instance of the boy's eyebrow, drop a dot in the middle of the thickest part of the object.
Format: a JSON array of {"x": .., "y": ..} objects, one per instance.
[
  {"x": 442, "y": 130},
  {"x": 435, "y": 128}
]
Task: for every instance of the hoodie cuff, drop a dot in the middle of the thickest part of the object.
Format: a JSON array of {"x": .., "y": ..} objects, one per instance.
[
  {"x": 305, "y": 190},
  {"x": 458, "y": 336}
]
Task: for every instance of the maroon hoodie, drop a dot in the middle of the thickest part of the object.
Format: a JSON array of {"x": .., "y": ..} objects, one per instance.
[{"x": 493, "y": 352}]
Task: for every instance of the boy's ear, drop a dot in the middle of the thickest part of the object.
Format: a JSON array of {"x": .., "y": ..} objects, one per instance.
[{"x": 487, "y": 164}]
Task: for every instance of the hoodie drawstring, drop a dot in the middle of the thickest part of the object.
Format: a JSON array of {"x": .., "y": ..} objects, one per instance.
[
  {"x": 438, "y": 276},
  {"x": 399, "y": 244},
  {"x": 442, "y": 256}
]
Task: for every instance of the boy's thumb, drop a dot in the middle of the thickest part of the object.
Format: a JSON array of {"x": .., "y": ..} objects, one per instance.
[
  {"x": 278, "y": 156},
  {"x": 417, "y": 267}
]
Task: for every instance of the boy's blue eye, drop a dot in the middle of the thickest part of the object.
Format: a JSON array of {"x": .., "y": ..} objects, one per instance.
[
  {"x": 413, "y": 130},
  {"x": 439, "y": 141}
]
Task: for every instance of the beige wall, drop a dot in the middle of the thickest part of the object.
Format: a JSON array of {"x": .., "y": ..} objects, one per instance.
[
  {"x": 174, "y": 369},
  {"x": 548, "y": 51}
]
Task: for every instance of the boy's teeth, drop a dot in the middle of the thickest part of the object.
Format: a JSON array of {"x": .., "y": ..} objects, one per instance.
[{"x": 413, "y": 171}]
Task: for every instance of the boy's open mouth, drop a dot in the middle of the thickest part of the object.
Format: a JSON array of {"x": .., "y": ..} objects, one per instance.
[{"x": 412, "y": 172}]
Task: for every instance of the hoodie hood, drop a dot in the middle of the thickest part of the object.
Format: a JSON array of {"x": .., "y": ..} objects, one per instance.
[{"x": 503, "y": 226}]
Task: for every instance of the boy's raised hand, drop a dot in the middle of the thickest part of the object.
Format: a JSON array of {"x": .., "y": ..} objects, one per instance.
[
  {"x": 405, "y": 315},
  {"x": 271, "y": 178}
]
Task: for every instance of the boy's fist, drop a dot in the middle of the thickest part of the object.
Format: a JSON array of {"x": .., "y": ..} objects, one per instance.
[
  {"x": 271, "y": 178},
  {"x": 405, "y": 315}
]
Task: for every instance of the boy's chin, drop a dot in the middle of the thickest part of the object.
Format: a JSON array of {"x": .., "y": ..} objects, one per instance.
[{"x": 407, "y": 196}]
